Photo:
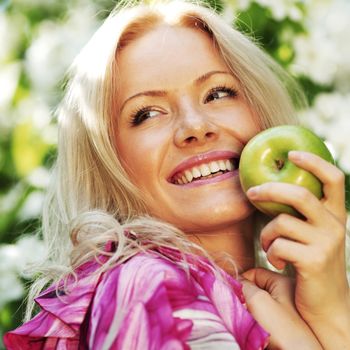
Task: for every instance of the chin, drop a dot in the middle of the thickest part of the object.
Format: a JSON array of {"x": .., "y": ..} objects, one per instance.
[
  {"x": 219, "y": 218},
  {"x": 206, "y": 213}
]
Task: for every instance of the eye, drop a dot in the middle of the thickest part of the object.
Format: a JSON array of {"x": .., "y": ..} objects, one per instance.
[
  {"x": 220, "y": 92},
  {"x": 143, "y": 113}
]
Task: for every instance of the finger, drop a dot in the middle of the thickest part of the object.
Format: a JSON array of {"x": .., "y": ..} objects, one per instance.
[
  {"x": 279, "y": 286},
  {"x": 250, "y": 290},
  {"x": 256, "y": 297},
  {"x": 283, "y": 251},
  {"x": 286, "y": 226},
  {"x": 263, "y": 278},
  {"x": 332, "y": 178},
  {"x": 296, "y": 196}
]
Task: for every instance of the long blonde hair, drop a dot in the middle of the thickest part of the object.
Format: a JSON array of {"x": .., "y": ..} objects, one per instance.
[{"x": 91, "y": 199}]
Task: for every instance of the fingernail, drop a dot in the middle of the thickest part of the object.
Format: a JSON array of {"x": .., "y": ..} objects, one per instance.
[
  {"x": 253, "y": 192},
  {"x": 295, "y": 155}
]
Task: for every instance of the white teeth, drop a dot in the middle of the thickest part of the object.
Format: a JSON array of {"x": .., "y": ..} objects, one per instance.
[
  {"x": 196, "y": 173},
  {"x": 204, "y": 169},
  {"x": 214, "y": 167},
  {"x": 208, "y": 170},
  {"x": 188, "y": 175},
  {"x": 222, "y": 165}
]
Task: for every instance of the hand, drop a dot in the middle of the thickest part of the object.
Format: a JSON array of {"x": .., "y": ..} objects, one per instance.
[
  {"x": 315, "y": 246},
  {"x": 270, "y": 299}
]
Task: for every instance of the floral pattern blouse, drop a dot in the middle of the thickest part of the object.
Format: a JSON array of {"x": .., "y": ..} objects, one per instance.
[{"x": 147, "y": 302}]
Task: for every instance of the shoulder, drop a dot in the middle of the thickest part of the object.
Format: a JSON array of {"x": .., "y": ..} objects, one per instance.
[
  {"x": 134, "y": 303},
  {"x": 63, "y": 317},
  {"x": 143, "y": 278},
  {"x": 144, "y": 274}
]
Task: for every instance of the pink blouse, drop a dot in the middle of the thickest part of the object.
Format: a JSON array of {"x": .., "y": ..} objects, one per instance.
[{"x": 148, "y": 302}]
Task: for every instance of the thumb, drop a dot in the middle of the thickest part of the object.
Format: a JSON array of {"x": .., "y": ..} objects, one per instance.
[
  {"x": 256, "y": 299},
  {"x": 259, "y": 301},
  {"x": 263, "y": 278},
  {"x": 280, "y": 287},
  {"x": 250, "y": 289}
]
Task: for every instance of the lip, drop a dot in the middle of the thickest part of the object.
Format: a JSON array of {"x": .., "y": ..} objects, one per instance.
[
  {"x": 202, "y": 158},
  {"x": 212, "y": 180}
]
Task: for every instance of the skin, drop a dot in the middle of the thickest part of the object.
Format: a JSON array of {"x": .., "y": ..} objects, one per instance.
[
  {"x": 182, "y": 123},
  {"x": 270, "y": 298},
  {"x": 315, "y": 246}
]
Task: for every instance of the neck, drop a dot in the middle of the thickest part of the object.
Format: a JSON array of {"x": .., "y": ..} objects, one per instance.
[{"x": 235, "y": 241}]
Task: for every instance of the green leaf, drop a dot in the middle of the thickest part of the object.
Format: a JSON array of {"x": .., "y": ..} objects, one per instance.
[{"x": 28, "y": 148}]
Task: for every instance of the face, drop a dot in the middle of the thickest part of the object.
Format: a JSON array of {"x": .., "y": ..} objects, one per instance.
[{"x": 182, "y": 125}]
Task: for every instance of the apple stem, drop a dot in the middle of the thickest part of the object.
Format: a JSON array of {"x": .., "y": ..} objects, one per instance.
[{"x": 279, "y": 163}]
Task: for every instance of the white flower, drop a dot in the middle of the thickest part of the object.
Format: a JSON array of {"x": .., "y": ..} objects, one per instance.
[
  {"x": 9, "y": 77},
  {"x": 32, "y": 251},
  {"x": 282, "y": 8},
  {"x": 324, "y": 54},
  {"x": 11, "y": 288},
  {"x": 14, "y": 262},
  {"x": 229, "y": 12},
  {"x": 11, "y": 31},
  {"x": 315, "y": 57},
  {"x": 54, "y": 48},
  {"x": 35, "y": 110},
  {"x": 9, "y": 258},
  {"x": 39, "y": 177},
  {"x": 10, "y": 285},
  {"x": 32, "y": 207},
  {"x": 11, "y": 198},
  {"x": 344, "y": 159},
  {"x": 329, "y": 118},
  {"x": 338, "y": 135},
  {"x": 14, "y": 258}
]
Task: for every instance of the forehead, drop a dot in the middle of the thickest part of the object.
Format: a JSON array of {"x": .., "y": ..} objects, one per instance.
[{"x": 167, "y": 57}]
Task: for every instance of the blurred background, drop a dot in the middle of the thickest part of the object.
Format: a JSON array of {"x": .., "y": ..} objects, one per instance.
[{"x": 39, "y": 39}]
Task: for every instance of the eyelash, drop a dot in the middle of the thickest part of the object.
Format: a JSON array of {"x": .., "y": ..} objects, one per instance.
[
  {"x": 138, "y": 115},
  {"x": 232, "y": 92}
]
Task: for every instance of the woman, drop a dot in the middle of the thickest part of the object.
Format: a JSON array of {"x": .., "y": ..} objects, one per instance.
[{"x": 146, "y": 212}]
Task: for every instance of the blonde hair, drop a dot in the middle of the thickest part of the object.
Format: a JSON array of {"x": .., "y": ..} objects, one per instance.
[{"x": 91, "y": 199}]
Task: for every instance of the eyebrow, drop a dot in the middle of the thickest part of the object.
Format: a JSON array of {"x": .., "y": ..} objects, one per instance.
[{"x": 162, "y": 93}]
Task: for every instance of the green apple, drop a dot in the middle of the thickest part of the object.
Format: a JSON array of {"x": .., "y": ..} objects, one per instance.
[{"x": 265, "y": 159}]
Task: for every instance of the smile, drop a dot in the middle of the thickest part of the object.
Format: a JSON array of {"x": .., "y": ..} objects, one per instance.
[{"x": 205, "y": 171}]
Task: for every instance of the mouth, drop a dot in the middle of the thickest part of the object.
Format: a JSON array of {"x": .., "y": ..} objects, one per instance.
[{"x": 205, "y": 170}]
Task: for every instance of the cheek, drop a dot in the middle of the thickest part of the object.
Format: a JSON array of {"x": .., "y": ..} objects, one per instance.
[
  {"x": 139, "y": 154},
  {"x": 130, "y": 153},
  {"x": 241, "y": 122}
]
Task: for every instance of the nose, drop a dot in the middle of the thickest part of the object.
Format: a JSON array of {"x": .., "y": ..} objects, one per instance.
[{"x": 194, "y": 128}]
